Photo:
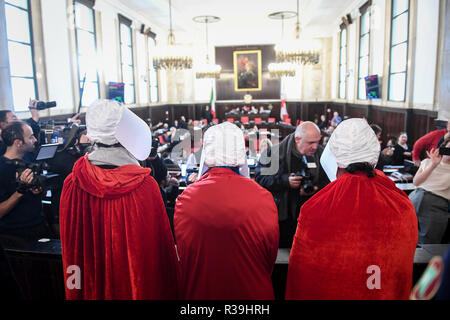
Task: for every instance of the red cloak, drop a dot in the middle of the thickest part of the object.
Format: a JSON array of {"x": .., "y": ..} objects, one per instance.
[
  {"x": 115, "y": 228},
  {"x": 226, "y": 228},
  {"x": 354, "y": 223}
]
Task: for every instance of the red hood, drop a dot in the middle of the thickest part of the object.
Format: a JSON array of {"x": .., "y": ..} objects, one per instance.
[{"x": 108, "y": 183}]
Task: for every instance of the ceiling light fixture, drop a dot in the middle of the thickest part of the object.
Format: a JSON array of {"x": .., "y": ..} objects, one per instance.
[
  {"x": 172, "y": 56},
  {"x": 299, "y": 51},
  {"x": 207, "y": 70}
]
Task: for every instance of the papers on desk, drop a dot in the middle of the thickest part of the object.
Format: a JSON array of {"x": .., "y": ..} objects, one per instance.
[{"x": 405, "y": 186}]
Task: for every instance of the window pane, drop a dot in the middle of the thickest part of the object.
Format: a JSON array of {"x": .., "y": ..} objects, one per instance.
[
  {"x": 397, "y": 85},
  {"x": 90, "y": 93},
  {"x": 153, "y": 77},
  {"x": 364, "y": 67},
  {"x": 365, "y": 43},
  {"x": 22, "y": 90},
  {"x": 399, "y": 57},
  {"x": 127, "y": 74},
  {"x": 154, "y": 94},
  {"x": 17, "y": 24},
  {"x": 20, "y": 59},
  {"x": 400, "y": 29},
  {"x": 19, "y": 3},
  {"x": 343, "y": 38},
  {"x": 342, "y": 72},
  {"x": 365, "y": 22},
  {"x": 362, "y": 89},
  {"x": 86, "y": 43},
  {"x": 125, "y": 34},
  {"x": 84, "y": 17},
  {"x": 343, "y": 55},
  {"x": 87, "y": 66},
  {"x": 129, "y": 94},
  {"x": 127, "y": 55},
  {"x": 399, "y": 6},
  {"x": 342, "y": 90}
]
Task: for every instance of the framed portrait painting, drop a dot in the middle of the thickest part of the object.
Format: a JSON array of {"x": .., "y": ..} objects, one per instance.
[{"x": 247, "y": 70}]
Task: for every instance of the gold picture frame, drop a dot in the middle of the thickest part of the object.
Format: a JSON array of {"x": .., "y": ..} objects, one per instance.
[{"x": 247, "y": 70}]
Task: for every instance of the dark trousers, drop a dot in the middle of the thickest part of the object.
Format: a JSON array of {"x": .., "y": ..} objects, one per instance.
[{"x": 287, "y": 232}]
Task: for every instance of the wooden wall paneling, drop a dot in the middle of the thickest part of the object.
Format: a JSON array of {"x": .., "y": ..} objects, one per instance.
[
  {"x": 392, "y": 121},
  {"x": 355, "y": 111}
]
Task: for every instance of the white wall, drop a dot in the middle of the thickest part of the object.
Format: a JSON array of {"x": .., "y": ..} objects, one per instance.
[{"x": 426, "y": 51}]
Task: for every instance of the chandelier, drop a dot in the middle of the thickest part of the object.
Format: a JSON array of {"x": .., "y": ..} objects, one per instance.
[
  {"x": 282, "y": 69},
  {"x": 172, "y": 56},
  {"x": 299, "y": 51},
  {"x": 207, "y": 70}
]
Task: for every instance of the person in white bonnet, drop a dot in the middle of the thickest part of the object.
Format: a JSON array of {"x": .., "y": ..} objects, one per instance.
[
  {"x": 359, "y": 224},
  {"x": 113, "y": 222},
  {"x": 226, "y": 225}
]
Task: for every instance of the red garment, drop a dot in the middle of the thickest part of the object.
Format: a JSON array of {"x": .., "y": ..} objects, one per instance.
[
  {"x": 115, "y": 228},
  {"x": 427, "y": 142},
  {"x": 226, "y": 228},
  {"x": 352, "y": 224}
]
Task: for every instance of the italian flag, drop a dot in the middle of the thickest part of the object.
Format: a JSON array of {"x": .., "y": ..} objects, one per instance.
[{"x": 212, "y": 101}]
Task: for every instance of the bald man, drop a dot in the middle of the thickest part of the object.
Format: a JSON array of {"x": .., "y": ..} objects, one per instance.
[{"x": 298, "y": 158}]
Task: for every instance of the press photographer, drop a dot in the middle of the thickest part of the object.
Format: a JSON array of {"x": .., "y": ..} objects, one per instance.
[
  {"x": 7, "y": 117},
  {"x": 20, "y": 201}
]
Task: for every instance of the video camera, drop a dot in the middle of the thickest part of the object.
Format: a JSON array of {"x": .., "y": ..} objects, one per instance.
[
  {"x": 306, "y": 182},
  {"x": 41, "y": 179},
  {"x": 443, "y": 151},
  {"x": 45, "y": 105}
]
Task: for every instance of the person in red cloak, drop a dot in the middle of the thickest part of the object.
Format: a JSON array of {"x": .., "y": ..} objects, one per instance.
[
  {"x": 226, "y": 225},
  {"x": 115, "y": 234},
  {"x": 356, "y": 238}
]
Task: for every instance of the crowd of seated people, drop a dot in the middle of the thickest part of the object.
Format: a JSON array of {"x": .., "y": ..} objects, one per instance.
[
  {"x": 251, "y": 110},
  {"x": 433, "y": 181}
]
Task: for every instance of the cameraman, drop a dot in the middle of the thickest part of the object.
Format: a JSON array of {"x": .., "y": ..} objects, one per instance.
[
  {"x": 20, "y": 204},
  {"x": 7, "y": 117},
  {"x": 299, "y": 156}
]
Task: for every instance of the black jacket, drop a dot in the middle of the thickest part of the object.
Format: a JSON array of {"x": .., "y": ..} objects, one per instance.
[{"x": 278, "y": 183}]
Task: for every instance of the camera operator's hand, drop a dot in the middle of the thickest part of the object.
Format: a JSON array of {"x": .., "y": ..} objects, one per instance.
[
  {"x": 295, "y": 181},
  {"x": 27, "y": 176},
  {"x": 304, "y": 194},
  {"x": 25, "y": 179},
  {"x": 32, "y": 104},
  {"x": 435, "y": 157},
  {"x": 75, "y": 119},
  {"x": 193, "y": 177}
]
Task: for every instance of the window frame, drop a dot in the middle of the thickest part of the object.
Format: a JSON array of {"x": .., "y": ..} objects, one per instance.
[
  {"x": 152, "y": 37},
  {"x": 90, "y": 4},
  {"x": 391, "y": 46},
  {"x": 31, "y": 45},
  {"x": 127, "y": 22},
  {"x": 343, "y": 27},
  {"x": 365, "y": 9}
]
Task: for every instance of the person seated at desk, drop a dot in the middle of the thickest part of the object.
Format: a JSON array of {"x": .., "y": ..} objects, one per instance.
[
  {"x": 253, "y": 110},
  {"x": 432, "y": 197},
  {"x": 227, "y": 249},
  {"x": 359, "y": 230},
  {"x": 402, "y": 150}
]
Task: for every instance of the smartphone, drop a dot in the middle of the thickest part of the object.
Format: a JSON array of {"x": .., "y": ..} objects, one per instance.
[{"x": 444, "y": 151}]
